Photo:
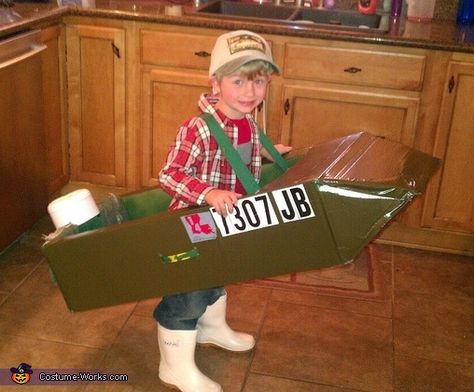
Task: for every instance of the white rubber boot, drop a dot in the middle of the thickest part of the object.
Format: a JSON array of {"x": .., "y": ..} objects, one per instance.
[
  {"x": 212, "y": 329},
  {"x": 177, "y": 367}
]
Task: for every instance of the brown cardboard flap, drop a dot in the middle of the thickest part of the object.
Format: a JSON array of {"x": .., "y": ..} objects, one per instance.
[{"x": 362, "y": 158}]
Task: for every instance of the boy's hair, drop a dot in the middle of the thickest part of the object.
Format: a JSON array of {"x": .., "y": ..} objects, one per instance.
[
  {"x": 237, "y": 48},
  {"x": 250, "y": 70}
]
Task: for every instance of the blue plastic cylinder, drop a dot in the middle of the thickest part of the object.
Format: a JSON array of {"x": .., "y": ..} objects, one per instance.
[{"x": 466, "y": 12}]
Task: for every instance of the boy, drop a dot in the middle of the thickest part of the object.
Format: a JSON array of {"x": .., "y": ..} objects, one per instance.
[{"x": 196, "y": 172}]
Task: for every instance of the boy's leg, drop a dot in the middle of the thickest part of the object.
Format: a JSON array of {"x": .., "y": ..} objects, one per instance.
[
  {"x": 177, "y": 316},
  {"x": 182, "y": 311}
]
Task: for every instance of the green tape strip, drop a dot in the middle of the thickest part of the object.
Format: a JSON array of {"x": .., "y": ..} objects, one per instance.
[{"x": 170, "y": 259}]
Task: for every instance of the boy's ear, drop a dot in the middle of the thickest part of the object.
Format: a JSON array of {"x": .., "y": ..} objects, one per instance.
[{"x": 214, "y": 84}]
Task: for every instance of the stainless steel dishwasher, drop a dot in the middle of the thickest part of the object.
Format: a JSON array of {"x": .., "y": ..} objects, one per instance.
[{"x": 23, "y": 171}]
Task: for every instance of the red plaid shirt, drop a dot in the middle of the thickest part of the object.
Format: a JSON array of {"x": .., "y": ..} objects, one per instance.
[{"x": 195, "y": 164}]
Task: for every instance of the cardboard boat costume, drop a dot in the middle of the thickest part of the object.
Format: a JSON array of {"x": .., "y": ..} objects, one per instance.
[{"x": 320, "y": 213}]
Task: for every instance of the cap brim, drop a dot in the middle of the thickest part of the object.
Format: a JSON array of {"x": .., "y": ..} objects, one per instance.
[{"x": 235, "y": 64}]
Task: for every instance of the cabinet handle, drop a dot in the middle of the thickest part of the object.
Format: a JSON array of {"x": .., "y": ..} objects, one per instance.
[
  {"x": 202, "y": 53},
  {"x": 451, "y": 84},
  {"x": 353, "y": 70},
  {"x": 286, "y": 107},
  {"x": 116, "y": 50}
]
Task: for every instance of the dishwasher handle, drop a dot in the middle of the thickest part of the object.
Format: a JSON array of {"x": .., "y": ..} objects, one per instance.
[
  {"x": 33, "y": 51},
  {"x": 20, "y": 48}
]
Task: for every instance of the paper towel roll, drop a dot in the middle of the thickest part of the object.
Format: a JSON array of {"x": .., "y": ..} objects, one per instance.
[{"x": 76, "y": 208}]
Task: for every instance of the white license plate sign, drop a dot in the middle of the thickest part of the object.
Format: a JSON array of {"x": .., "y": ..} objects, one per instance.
[
  {"x": 251, "y": 213},
  {"x": 293, "y": 203},
  {"x": 257, "y": 212}
]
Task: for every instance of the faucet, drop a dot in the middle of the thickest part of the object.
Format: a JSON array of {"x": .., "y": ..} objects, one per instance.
[
  {"x": 304, "y": 3},
  {"x": 310, "y": 3}
]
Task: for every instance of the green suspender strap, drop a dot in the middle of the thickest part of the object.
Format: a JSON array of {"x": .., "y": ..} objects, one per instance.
[
  {"x": 277, "y": 158},
  {"x": 231, "y": 154}
]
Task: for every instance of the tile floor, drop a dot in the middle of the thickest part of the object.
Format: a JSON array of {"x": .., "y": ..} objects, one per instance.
[{"x": 395, "y": 320}]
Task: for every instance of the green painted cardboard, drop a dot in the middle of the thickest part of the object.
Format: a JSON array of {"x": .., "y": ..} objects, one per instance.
[{"x": 354, "y": 186}]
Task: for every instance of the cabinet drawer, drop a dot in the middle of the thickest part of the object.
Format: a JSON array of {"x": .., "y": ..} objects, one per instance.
[
  {"x": 175, "y": 49},
  {"x": 353, "y": 66}
]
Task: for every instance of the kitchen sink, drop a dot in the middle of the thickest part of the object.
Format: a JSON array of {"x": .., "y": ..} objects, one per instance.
[
  {"x": 247, "y": 10},
  {"x": 338, "y": 18},
  {"x": 323, "y": 18}
]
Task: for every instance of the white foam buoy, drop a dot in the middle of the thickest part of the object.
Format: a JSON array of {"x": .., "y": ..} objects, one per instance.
[{"x": 74, "y": 208}]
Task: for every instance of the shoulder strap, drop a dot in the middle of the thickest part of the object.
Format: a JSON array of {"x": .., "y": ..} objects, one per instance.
[
  {"x": 231, "y": 154},
  {"x": 277, "y": 158}
]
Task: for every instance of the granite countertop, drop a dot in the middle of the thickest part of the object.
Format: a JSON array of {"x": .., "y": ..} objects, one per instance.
[{"x": 438, "y": 35}]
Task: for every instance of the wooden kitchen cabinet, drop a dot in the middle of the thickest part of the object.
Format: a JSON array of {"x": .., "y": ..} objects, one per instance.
[
  {"x": 173, "y": 75},
  {"x": 332, "y": 91},
  {"x": 169, "y": 98},
  {"x": 96, "y": 58},
  {"x": 54, "y": 108},
  {"x": 450, "y": 197},
  {"x": 312, "y": 115}
]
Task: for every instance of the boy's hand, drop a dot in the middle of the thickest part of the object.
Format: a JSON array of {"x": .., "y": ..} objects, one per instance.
[
  {"x": 282, "y": 149},
  {"x": 223, "y": 201}
]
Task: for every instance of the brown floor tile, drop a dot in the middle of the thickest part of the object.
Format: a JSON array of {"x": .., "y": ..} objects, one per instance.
[
  {"x": 439, "y": 329},
  {"x": 44, "y": 315},
  {"x": 382, "y": 252},
  {"x": 261, "y": 383},
  {"x": 351, "y": 305},
  {"x": 246, "y": 306},
  {"x": 146, "y": 307},
  {"x": 17, "y": 262},
  {"x": 414, "y": 374},
  {"x": 363, "y": 287},
  {"x": 134, "y": 353},
  {"x": 46, "y": 388},
  {"x": 433, "y": 273},
  {"x": 51, "y": 356},
  {"x": 226, "y": 368},
  {"x": 325, "y": 346},
  {"x": 13, "y": 274}
]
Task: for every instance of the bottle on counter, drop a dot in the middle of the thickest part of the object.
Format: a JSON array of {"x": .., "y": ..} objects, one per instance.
[
  {"x": 387, "y": 5},
  {"x": 466, "y": 12},
  {"x": 396, "y": 9},
  {"x": 367, "y": 7}
]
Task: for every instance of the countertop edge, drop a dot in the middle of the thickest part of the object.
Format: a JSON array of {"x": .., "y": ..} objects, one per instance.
[{"x": 55, "y": 14}]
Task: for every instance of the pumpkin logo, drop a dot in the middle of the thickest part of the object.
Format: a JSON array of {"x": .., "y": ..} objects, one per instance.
[{"x": 21, "y": 374}]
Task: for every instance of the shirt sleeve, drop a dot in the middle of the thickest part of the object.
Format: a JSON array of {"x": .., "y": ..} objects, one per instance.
[{"x": 179, "y": 175}]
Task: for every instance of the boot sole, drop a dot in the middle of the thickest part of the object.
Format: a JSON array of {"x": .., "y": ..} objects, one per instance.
[
  {"x": 215, "y": 345},
  {"x": 170, "y": 386}
]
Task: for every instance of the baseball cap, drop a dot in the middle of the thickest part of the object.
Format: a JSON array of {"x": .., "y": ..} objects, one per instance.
[{"x": 237, "y": 48}]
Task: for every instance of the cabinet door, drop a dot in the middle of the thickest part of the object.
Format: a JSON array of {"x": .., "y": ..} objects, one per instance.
[
  {"x": 450, "y": 197},
  {"x": 311, "y": 115},
  {"x": 96, "y": 84},
  {"x": 55, "y": 119},
  {"x": 168, "y": 98}
]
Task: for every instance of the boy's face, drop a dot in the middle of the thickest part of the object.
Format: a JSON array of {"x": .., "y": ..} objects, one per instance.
[{"x": 238, "y": 95}]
